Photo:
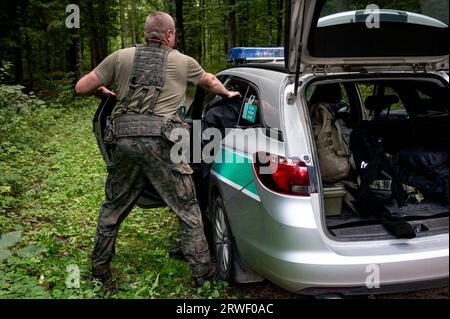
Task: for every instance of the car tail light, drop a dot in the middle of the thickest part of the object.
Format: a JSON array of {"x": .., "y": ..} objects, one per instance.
[{"x": 282, "y": 175}]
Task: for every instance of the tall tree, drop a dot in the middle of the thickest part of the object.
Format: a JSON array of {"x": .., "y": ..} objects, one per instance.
[
  {"x": 123, "y": 23},
  {"x": 29, "y": 57},
  {"x": 270, "y": 20},
  {"x": 102, "y": 23},
  {"x": 243, "y": 23},
  {"x": 279, "y": 21},
  {"x": 15, "y": 36},
  {"x": 181, "y": 43},
  {"x": 133, "y": 23},
  {"x": 75, "y": 52},
  {"x": 343, "y": 5},
  {"x": 231, "y": 24}
]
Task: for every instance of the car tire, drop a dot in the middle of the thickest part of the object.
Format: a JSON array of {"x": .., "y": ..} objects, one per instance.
[{"x": 222, "y": 240}]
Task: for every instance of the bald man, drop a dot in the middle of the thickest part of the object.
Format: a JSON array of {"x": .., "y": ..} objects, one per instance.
[{"x": 150, "y": 83}]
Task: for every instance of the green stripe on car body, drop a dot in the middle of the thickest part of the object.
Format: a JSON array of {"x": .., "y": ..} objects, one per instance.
[{"x": 236, "y": 170}]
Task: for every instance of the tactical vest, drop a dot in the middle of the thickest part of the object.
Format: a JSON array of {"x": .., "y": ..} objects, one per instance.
[{"x": 148, "y": 73}]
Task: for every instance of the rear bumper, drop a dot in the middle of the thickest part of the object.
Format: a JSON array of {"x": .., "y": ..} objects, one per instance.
[
  {"x": 385, "y": 289},
  {"x": 372, "y": 273},
  {"x": 291, "y": 249}
]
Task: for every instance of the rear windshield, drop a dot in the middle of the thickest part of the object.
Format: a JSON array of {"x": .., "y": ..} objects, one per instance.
[
  {"x": 410, "y": 99},
  {"x": 422, "y": 12},
  {"x": 394, "y": 28}
]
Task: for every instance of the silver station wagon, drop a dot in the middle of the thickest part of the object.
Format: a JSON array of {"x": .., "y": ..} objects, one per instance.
[{"x": 383, "y": 71}]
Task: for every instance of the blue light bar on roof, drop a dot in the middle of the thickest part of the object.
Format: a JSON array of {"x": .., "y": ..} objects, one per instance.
[{"x": 255, "y": 54}]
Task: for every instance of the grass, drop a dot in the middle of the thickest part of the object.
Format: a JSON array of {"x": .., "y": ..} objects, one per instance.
[{"x": 50, "y": 203}]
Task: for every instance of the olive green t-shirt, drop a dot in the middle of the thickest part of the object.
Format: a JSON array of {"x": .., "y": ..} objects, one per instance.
[{"x": 115, "y": 72}]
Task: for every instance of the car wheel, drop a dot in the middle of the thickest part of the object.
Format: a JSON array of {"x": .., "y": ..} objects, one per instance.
[{"x": 222, "y": 240}]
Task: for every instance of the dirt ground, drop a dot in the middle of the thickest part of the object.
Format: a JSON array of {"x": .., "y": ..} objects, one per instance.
[{"x": 267, "y": 290}]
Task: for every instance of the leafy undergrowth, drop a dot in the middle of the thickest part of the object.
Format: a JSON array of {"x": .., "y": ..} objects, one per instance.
[{"x": 51, "y": 187}]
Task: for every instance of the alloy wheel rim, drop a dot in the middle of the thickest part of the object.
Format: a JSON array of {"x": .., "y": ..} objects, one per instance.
[{"x": 222, "y": 241}]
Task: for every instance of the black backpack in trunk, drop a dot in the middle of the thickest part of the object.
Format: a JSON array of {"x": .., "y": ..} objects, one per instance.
[{"x": 380, "y": 193}]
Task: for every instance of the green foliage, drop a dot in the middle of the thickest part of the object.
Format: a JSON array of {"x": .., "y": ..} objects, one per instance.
[
  {"x": 52, "y": 189},
  {"x": 4, "y": 254},
  {"x": 5, "y": 70},
  {"x": 12, "y": 96},
  {"x": 10, "y": 239},
  {"x": 24, "y": 125},
  {"x": 14, "y": 283},
  {"x": 213, "y": 290}
]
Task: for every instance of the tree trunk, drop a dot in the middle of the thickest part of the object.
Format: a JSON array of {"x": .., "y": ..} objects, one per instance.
[
  {"x": 210, "y": 44},
  {"x": 102, "y": 25},
  {"x": 269, "y": 17},
  {"x": 343, "y": 5},
  {"x": 133, "y": 23},
  {"x": 243, "y": 24},
  {"x": 99, "y": 32},
  {"x": 29, "y": 62},
  {"x": 122, "y": 24},
  {"x": 93, "y": 36},
  {"x": 75, "y": 54},
  {"x": 93, "y": 49},
  {"x": 279, "y": 21},
  {"x": 202, "y": 29},
  {"x": 181, "y": 44},
  {"x": 48, "y": 64},
  {"x": 200, "y": 40},
  {"x": 17, "y": 40},
  {"x": 171, "y": 7},
  {"x": 231, "y": 25}
]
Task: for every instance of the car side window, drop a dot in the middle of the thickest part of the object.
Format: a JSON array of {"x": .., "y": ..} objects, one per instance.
[
  {"x": 231, "y": 85},
  {"x": 200, "y": 100},
  {"x": 209, "y": 96},
  {"x": 237, "y": 85},
  {"x": 250, "y": 109},
  {"x": 381, "y": 102},
  {"x": 397, "y": 110},
  {"x": 341, "y": 106}
]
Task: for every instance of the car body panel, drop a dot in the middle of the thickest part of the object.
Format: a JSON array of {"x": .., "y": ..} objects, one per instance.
[
  {"x": 233, "y": 175},
  {"x": 284, "y": 238}
]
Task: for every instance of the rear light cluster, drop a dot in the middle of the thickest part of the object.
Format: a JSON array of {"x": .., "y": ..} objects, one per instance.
[{"x": 282, "y": 175}]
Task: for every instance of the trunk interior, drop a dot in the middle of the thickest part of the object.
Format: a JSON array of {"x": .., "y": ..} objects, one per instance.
[{"x": 408, "y": 119}]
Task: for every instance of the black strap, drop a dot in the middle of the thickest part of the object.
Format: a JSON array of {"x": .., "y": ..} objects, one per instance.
[
  {"x": 155, "y": 99},
  {"x": 133, "y": 87},
  {"x": 144, "y": 93}
]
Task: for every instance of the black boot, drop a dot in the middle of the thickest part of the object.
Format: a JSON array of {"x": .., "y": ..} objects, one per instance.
[
  {"x": 177, "y": 253},
  {"x": 211, "y": 276},
  {"x": 105, "y": 278}
]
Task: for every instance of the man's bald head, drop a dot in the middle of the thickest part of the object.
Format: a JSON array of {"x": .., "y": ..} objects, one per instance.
[{"x": 160, "y": 26}]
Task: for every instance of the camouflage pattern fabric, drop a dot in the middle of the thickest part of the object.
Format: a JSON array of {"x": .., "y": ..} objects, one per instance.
[{"x": 134, "y": 161}]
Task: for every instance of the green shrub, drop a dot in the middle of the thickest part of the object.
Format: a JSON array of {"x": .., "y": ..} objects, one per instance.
[{"x": 13, "y": 97}]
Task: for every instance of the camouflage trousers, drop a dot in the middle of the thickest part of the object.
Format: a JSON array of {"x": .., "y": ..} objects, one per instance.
[{"x": 136, "y": 161}]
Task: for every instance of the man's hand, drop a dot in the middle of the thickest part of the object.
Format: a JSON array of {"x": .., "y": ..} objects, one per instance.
[
  {"x": 104, "y": 91},
  {"x": 233, "y": 94},
  {"x": 211, "y": 83}
]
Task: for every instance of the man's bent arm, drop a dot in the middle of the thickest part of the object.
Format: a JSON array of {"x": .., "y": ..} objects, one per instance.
[
  {"x": 90, "y": 84},
  {"x": 211, "y": 83}
]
